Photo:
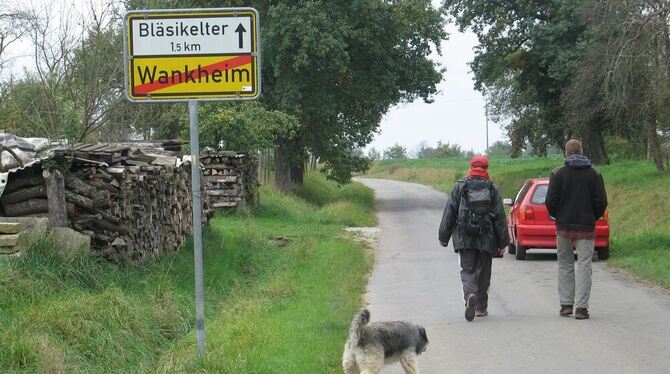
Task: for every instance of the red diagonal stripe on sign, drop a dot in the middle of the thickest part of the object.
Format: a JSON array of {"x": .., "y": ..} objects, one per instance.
[{"x": 207, "y": 70}]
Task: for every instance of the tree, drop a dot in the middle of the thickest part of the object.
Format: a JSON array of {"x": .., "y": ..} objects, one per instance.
[
  {"x": 424, "y": 151},
  {"x": 441, "y": 150},
  {"x": 13, "y": 26},
  {"x": 500, "y": 148},
  {"x": 525, "y": 59},
  {"x": 338, "y": 66},
  {"x": 446, "y": 150},
  {"x": 395, "y": 152},
  {"x": 634, "y": 66},
  {"x": 247, "y": 127},
  {"x": 374, "y": 154},
  {"x": 78, "y": 71}
]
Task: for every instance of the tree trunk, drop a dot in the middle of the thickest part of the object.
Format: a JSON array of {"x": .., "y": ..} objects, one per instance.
[
  {"x": 593, "y": 142},
  {"x": 654, "y": 144},
  {"x": 282, "y": 167},
  {"x": 298, "y": 174}
]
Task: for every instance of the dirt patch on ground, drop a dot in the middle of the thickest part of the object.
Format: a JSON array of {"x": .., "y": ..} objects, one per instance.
[{"x": 367, "y": 235}]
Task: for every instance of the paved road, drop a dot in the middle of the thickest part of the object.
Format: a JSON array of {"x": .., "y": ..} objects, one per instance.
[{"x": 417, "y": 280}]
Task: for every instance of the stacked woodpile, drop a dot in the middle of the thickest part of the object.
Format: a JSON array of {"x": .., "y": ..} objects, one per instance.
[
  {"x": 131, "y": 212},
  {"x": 132, "y": 203},
  {"x": 229, "y": 179}
]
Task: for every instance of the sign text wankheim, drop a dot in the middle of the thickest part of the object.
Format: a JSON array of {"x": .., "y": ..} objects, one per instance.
[{"x": 177, "y": 55}]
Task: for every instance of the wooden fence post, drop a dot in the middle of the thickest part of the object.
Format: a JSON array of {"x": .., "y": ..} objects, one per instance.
[{"x": 56, "y": 198}]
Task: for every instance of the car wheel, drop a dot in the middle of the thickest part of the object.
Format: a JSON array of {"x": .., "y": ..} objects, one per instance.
[
  {"x": 511, "y": 248},
  {"x": 520, "y": 251},
  {"x": 603, "y": 253}
]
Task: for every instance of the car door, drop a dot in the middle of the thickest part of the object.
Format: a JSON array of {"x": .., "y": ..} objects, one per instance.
[{"x": 511, "y": 222}]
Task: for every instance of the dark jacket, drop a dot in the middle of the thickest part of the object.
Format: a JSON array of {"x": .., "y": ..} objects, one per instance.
[
  {"x": 576, "y": 195},
  {"x": 497, "y": 237}
]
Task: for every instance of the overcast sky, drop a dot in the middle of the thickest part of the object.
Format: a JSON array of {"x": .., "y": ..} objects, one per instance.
[{"x": 457, "y": 116}]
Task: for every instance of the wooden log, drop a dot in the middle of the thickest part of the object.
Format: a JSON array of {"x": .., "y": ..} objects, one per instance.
[
  {"x": 101, "y": 185},
  {"x": 104, "y": 175},
  {"x": 79, "y": 200},
  {"x": 108, "y": 217},
  {"x": 89, "y": 217},
  {"x": 17, "y": 182},
  {"x": 117, "y": 172},
  {"x": 221, "y": 179},
  {"x": 219, "y": 166},
  {"x": 229, "y": 192},
  {"x": 78, "y": 186},
  {"x": 27, "y": 207},
  {"x": 98, "y": 236},
  {"x": 109, "y": 226},
  {"x": 55, "y": 191},
  {"x": 24, "y": 194}
]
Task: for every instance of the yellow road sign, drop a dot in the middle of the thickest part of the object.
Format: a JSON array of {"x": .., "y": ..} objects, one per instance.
[{"x": 187, "y": 54}]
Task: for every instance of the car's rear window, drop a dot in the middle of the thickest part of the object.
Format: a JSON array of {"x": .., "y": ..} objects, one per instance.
[{"x": 540, "y": 194}]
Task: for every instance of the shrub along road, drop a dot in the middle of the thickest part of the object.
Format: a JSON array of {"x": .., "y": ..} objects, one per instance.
[{"x": 417, "y": 280}]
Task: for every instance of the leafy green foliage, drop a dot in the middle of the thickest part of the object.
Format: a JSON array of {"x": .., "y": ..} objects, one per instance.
[
  {"x": 395, "y": 152},
  {"x": 500, "y": 148},
  {"x": 339, "y": 66},
  {"x": 244, "y": 127},
  {"x": 441, "y": 150},
  {"x": 526, "y": 57}
]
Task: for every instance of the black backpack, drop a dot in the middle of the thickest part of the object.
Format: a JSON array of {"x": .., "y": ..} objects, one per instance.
[{"x": 476, "y": 210}]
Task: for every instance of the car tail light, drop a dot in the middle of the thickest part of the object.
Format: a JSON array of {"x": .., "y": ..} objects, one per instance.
[{"x": 528, "y": 213}]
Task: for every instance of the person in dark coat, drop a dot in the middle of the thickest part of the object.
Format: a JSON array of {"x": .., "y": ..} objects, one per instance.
[
  {"x": 576, "y": 198},
  {"x": 475, "y": 249}
]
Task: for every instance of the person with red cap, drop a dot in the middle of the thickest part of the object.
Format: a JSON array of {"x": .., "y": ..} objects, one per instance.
[{"x": 474, "y": 219}]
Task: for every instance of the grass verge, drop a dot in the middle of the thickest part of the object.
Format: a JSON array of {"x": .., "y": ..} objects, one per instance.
[
  {"x": 639, "y": 202},
  {"x": 272, "y": 306}
]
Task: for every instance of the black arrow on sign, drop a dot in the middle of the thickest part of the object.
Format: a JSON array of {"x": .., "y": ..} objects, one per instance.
[{"x": 240, "y": 30}]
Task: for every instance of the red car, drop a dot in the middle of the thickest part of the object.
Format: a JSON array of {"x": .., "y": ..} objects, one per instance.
[{"x": 531, "y": 227}]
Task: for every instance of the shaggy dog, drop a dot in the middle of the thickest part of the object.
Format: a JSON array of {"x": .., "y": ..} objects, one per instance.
[{"x": 372, "y": 345}]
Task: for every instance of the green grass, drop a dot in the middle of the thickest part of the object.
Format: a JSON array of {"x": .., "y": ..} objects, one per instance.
[
  {"x": 269, "y": 308},
  {"x": 639, "y": 202}
]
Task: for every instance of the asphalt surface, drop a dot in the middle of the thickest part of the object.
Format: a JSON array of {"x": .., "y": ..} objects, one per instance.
[{"x": 415, "y": 279}]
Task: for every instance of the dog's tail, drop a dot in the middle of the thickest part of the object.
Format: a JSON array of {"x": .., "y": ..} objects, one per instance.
[{"x": 356, "y": 329}]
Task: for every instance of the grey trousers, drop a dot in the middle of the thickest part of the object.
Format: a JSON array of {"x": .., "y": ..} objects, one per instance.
[
  {"x": 568, "y": 280},
  {"x": 476, "y": 275}
]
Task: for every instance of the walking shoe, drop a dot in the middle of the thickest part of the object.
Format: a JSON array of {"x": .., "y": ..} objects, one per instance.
[
  {"x": 566, "y": 310},
  {"x": 470, "y": 307},
  {"x": 582, "y": 313},
  {"x": 481, "y": 313}
]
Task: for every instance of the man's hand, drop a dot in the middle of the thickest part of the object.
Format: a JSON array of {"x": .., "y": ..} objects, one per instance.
[
  {"x": 444, "y": 244},
  {"x": 501, "y": 252}
]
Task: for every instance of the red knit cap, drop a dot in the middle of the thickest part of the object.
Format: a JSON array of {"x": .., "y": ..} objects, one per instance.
[
  {"x": 479, "y": 162},
  {"x": 478, "y": 166}
]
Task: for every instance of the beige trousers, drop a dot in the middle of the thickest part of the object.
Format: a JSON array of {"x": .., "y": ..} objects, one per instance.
[{"x": 568, "y": 280}]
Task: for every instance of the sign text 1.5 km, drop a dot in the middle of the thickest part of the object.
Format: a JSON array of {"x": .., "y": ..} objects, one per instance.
[{"x": 203, "y": 54}]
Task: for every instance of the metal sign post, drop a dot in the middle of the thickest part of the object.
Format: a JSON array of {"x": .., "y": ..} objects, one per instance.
[
  {"x": 197, "y": 227},
  {"x": 192, "y": 55}
]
